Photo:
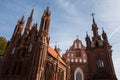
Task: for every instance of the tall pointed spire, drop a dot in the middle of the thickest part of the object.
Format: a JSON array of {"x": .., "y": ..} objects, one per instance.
[
  {"x": 93, "y": 17},
  {"x": 104, "y": 36},
  {"x": 22, "y": 19},
  {"x": 31, "y": 14},
  {"x": 88, "y": 41},
  {"x": 29, "y": 22},
  {"x": 45, "y": 21},
  {"x": 94, "y": 27},
  {"x": 19, "y": 28}
]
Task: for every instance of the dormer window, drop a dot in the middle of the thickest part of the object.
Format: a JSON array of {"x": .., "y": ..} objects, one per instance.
[
  {"x": 13, "y": 50},
  {"x": 30, "y": 47}
]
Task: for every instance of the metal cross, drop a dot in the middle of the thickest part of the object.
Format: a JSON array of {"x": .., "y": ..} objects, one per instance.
[
  {"x": 93, "y": 14},
  {"x": 77, "y": 36}
]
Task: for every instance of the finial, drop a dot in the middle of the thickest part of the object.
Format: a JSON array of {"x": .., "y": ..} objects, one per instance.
[
  {"x": 22, "y": 19},
  {"x": 56, "y": 44},
  {"x": 103, "y": 30},
  {"x": 31, "y": 14},
  {"x": 93, "y": 14},
  {"x": 87, "y": 34},
  {"x": 77, "y": 36}
]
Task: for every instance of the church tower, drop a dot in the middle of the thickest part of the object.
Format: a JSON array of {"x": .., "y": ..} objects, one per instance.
[
  {"x": 99, "y": 54},
  {"x": 40, "y": 48}
]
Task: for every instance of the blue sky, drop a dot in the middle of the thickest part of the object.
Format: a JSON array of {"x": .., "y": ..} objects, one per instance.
[{"x": 68, "y": 19}]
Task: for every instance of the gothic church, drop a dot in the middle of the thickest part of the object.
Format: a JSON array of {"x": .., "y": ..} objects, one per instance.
[{"x": 28, "y": 55}]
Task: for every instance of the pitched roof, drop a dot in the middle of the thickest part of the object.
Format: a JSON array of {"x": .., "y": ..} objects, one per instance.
[{"x": 53, "y": 53}]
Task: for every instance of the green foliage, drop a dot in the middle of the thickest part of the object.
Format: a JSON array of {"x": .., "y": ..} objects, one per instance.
[{"x": 3, "y": 43}]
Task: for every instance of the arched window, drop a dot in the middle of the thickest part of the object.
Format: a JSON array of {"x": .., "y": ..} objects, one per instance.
[
  {"x": 100, "y": 63},
  {"x": 80, "y": 60},
  {"x": 84, "y": 60},
  {"x": 76, "y": 60},
  {"x": 48, "y": 74},
  {"x": 13, "y": 50},
  {"x": 79, "y": 45},
  {"x": 30, "y": 47},
  {"x": 68, "y": 60},
  {"x": 68, "y": 55},
  {"x": 75, "y": 45},
  {"x": 78, "y": 75},
  {"x": 45, "y": 27},
  {"x": 72, "y": 60}
]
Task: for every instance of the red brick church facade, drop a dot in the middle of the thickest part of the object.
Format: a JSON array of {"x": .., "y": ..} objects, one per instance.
[{"x": 28, "y": 55}]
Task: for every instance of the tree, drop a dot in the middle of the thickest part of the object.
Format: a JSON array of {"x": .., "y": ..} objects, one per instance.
[{"x": 3, "y": 43}]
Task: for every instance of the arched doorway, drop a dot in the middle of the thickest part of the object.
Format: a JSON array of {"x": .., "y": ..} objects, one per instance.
[{"x": 78, "y": 75}]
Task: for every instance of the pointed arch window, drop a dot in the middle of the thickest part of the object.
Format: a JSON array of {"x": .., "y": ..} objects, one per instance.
[
  {"x": 76, "y": 60},
  {"x": 80, "y": 60},
  {"x": 72, "y": 60},
  {"x": 84, "y": 60},
  {"x": 45, "y": 27},
  {"x": 13, "y": 50},
  {"x": 100, "y": 63},
  {"x": 30, "y": 47},
  {"x": 78, "y": 74}
]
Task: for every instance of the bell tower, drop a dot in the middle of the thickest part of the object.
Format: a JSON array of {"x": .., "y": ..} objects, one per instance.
[{"x": 100, "y": 64}]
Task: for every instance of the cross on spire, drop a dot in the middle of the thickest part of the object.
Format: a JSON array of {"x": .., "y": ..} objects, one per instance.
[
  {"x": 48, "y": 3},
  {"x": 77, "y": 36},
  {"x": 93, "y": 14}
]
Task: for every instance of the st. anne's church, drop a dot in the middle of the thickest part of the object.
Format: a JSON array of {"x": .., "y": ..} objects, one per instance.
[{"x": 29, "y": 56}]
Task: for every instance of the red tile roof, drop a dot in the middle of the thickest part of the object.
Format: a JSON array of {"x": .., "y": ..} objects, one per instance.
[{"x": 53, "y": 53}]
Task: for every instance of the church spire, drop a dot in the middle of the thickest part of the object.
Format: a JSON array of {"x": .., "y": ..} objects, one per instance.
[
  {"x": 94, "y": 27},
  {"x": 19, "y": 28},
  {"x": 29, "y": 22},
  {"x": 93, "y": 18},
  {"x": 45, "y": 21}
]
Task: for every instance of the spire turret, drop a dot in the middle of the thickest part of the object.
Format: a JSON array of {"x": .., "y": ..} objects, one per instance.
[
  {"x": 94, "y": 27},
  {"x": 19, "y": 28},
  {"x": 29, "y": 22},
  {"x": 88, "y": 41},
  {"x": 45, "y": 21},
  {"x": 104, "y": 36}
]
